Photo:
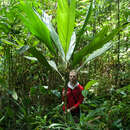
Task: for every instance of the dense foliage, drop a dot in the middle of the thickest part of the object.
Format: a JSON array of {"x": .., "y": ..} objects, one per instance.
[{"x": 31, "y": 82}]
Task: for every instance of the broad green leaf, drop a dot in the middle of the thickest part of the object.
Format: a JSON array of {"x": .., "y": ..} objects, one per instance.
[
  {"x": 95, "y": 54},
  {"x": 9, "y": 43},
  {"x": 85, "y": 22},
  {"x": 95, "y": 44},
  {"x": 98, "y": 52},
  {"x": 71, "y": 46},
  {"x": 99, "y": 40},
  {"x": 37, "y": 54},
  {"x": 53, "y": 65},
  {"x": 85, "y": 93},
  {"x": 46, "y": 19},
  {"x": 65, "y": 22},
  {"x": 36, "y": 26},
  {"x": 90, "y": 83}
]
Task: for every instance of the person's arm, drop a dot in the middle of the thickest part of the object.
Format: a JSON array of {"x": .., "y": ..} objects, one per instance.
[
  {"x": 77, "y": 104},
  {"x": 63, "y": 94},
  {"x": 80, "y": 100}
]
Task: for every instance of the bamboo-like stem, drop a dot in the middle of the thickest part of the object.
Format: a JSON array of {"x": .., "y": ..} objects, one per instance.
[
  {"x": 118, "y": 45},
  {"x": 94, "y": 32},
  {"x": 65, "y": 101}
]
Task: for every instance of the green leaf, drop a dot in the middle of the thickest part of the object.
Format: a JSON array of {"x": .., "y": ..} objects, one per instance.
[
  {"x": 9, "y": 43},
  {"x": 85, "y": 93},
  {"x": 46, "y": 19},
  {"x": 71, "y": 46},
  {"x": 53, "y": 65},
  {"x": 36, "y": 26},
  {"x": 37, "y": 54},
  {"x": 90, "y": 83},
  {"x": 95, "y": 44},
  {"x": 85, "y": 22},
  {"x": 99, "y": 40},
  {"x": 65, "y": 22},
  {"x": 98, "y": 52},
  {"x": 95, "y": 54}
]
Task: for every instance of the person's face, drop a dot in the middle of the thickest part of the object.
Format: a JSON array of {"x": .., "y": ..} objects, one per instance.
[{"x": 72, "y": 77}]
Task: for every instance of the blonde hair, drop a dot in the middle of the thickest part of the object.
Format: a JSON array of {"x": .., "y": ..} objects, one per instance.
[{"x": 74, "y": 71}]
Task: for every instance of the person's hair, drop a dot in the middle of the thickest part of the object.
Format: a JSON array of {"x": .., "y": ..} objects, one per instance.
[{"x": 74, "y": 71}]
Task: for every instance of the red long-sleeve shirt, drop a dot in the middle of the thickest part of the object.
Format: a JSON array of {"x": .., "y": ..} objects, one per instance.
[{"x": 74, "y": 97}]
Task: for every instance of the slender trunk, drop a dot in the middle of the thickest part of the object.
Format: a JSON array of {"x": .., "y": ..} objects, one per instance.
[
  {"x": 66, "y": 82},
  {"x": 94, "y": 32},
  {"x": 118, "y": 48}
]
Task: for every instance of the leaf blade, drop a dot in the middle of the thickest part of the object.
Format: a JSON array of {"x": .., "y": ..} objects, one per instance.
[
  {"x": 35, "y": 25},
  {"x": 90, "y": 83},
  {"x": 85, "y": 22},
  {"x": 39, "y": 56},
  {"x": 92, "y": 46},
  {"x": 53, "y": 34},
  {"x": 71, "y": 46},
  {"x": 65, "y": 22},
  {"x": 96, "y": 53},
  {"x": 100, "y": 39}
]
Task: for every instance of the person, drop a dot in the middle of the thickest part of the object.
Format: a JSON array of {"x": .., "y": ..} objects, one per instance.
[{"x": 74, "y": 96}]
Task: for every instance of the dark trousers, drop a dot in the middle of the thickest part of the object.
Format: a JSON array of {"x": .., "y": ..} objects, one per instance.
[{"x": 76, "y": 115}]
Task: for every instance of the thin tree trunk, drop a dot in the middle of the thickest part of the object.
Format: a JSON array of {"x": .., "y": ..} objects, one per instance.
[
  {"x": 66, "y": 82},
  {"x": 94, "y": 32},
  {"x": 118, "y": 48}
]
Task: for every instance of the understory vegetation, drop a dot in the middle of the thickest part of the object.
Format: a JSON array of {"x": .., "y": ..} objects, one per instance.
[{"x": 41, "y": 41}]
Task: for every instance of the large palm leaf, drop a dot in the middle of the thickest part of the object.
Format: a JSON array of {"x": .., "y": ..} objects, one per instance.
[
  {"x": 98, "y": 41},
  {"x": 65, "y": 22},
  {"x": 54, "y": 36},
  {"x": 35, "y": 25}
]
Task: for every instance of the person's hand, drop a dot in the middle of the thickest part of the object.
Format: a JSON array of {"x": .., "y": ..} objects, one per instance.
[
  {"x": 68, "y": 110},
  {"x": 63, "y": 92},
  {"x": 72, "y": 108}
]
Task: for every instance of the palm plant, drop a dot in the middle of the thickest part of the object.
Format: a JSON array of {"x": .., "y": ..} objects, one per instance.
[{"x": 63, "y": 44}]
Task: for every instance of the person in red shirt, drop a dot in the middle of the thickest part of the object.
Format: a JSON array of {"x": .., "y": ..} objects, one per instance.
[{"x": 74, "y": 95}]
